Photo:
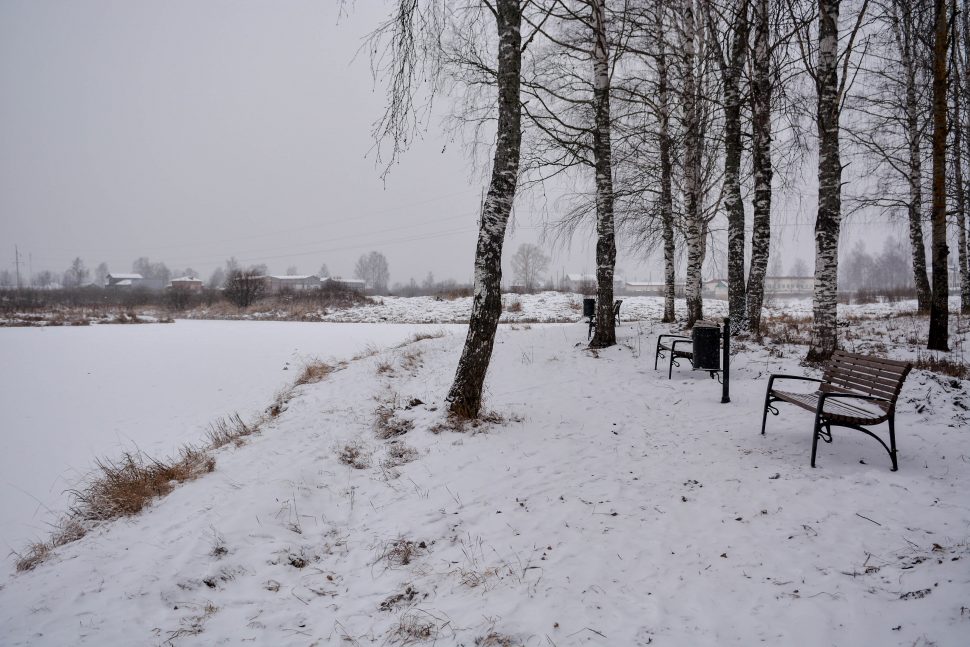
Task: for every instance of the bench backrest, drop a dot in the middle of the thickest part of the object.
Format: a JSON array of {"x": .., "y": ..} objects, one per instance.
[{"x": 867, "y": 375}]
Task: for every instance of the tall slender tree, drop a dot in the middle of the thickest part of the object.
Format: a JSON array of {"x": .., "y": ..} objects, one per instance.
[
  {"x": 409, "y": 49},
  {"x": 605, "y": 334},
  {"x": 830, "y": 90},
  {"x": 939, "y": 310}
]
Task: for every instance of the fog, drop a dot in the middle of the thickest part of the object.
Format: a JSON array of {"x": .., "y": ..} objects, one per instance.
[{"x": 190, "y": 132}]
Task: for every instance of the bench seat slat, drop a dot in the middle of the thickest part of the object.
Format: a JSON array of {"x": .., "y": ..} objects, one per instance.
[{"x": 868, "y": 413}]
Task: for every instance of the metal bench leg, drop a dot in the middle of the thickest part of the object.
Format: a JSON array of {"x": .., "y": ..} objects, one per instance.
[
  {"x": 892, "y": 441},
  {"x": 590, "y": 333},
  {"x": 764, "y": 418},
  {"x": 816, "y": 429},
  {"x": 670, "y": 367},
  {"x": 656, "y": 356}
]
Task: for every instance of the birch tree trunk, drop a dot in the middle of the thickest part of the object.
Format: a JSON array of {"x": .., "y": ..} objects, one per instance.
[
  {"x": 693, "y": 230},
  {"x": 959, "y": 71},
  {"x": 605, "y": 334},
  {"x": 666, "y": 180},
  {"x": 828, "y": 220},
  {"x": 760, "y": 166},
  {"x": 939, "y": 311},
  {"x": 907, "y": 43},
  {"x": 465, "y": 396},
  {"x": 731, "y": 68}
]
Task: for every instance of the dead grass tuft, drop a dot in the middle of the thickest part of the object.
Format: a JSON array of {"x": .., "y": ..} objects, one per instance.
[
  {"x": 413, "y": 628},
  {"x": 384, "y": 367},
  {"x": 493, "y": 639},
  {"x": 398, "y": 454},
  {"x": 401, "y": 551},
  {"x": 388, "y": 425},
  {"x": 514, "y": 305},
  {"x": 313, "y": 371},
  {"x": 354, "y": 455},
  {"x": 942, "y": 365},
  {"x": 402, "y": 599},
  {"x": 125, "y": 486},
  {"x": 229, "y": 430},
  {"x": 460, "y": 424},
  {"x": 411, "y": 360}
]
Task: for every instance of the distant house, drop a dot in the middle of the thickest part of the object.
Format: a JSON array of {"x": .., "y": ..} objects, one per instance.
[
  {"x": 189, "y": 283},
  {"x": 789, "y": 285},
  {"x": 357, "y": 285},
  {"x": 585, "y": 283},
  {"x": 716, "y": 288},
  {"x": 122, "y": 280},
  {"x": 132, "y": 282},
  {"x": 297, "y": 283}
]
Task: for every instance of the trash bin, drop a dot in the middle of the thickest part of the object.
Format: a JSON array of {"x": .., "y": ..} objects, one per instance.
[
  {"x": 706, "y": 336},
  {"x": 589, "y": 308}
]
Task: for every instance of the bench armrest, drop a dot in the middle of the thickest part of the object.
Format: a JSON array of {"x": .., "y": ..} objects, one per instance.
[
  {"x": 684, "y": 340},
  {"x": 779, "y": 376},
  {"x": 670, "y": 336}
]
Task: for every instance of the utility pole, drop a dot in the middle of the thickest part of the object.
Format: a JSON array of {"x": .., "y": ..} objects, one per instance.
[{"x": 16, "y": 256}]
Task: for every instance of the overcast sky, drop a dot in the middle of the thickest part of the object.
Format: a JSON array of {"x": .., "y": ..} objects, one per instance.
[{"x": 191, "y": 131}]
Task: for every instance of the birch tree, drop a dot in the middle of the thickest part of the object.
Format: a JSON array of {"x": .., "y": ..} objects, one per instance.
[
  {"x": 830, "y": 90},
  {"x": 939, "y": 311},
  {"x": 761, "y": 168},
  {"x": 731, "y": 63},
  {"x": 411, "y": 45}
]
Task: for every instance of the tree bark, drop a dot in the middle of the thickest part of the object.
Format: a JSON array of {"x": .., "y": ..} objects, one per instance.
[
  {"x": 828, "y": 220},
  {"x": 666, "y": 180},
  {"x": 939, "y": 310},
  {"x": 760, "y": 166},
  {"x": 958, "y": 135},
  {"x": 465, "y": 396},
  {"x": 731, "y": 68},
  {"x": 692, "y": 169},
  {"x": 905, "y": 28},
  {"x": 605, "y": 334}
]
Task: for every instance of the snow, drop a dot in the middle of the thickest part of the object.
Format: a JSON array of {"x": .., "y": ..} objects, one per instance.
[
  {"x": 611, "y": 507},
  {"x": 70, "y": 395}
]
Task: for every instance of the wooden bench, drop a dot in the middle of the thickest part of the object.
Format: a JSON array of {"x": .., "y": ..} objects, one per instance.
[
  {"x": 856, "y": 391},
  {"x": 616, "y": 317}
]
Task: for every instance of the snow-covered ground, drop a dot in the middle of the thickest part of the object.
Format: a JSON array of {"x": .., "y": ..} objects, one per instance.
[
  {"x": 611, "y": 507},
  {"x": 69, "y": 395}
]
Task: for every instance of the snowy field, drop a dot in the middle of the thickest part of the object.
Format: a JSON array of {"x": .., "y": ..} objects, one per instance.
[
  {"x": 607, "y": 505},
  {"x": 71, "y": 395}
]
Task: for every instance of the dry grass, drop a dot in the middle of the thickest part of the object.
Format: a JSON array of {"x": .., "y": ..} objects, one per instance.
[
  {"x": 124, "y": 487},
  {"x": 400, "y": 552},
  {"x": 313, "y": 371},
  {"x": 402, "y": 599},
  {"x": 942, "y": 365},
  {"x": 459, "y": 424},
  {"x": 228, "y": 430},
  {"x": 413, "y": 628},
  {"x": 514, "y": 305},
  {"x": 117, "y": 489},
  {"x": 384, "y": 367},
  {"x": 388, "y": 425},
  {"x": 354, "y": 455},
  {"x": 411, "y": 360},
  {"x": 493, "y": 639},
  {"x": 398, "y": 454}
]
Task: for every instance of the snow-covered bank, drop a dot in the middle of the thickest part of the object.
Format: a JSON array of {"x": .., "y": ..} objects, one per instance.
[
  {"x": 614, "y": 508},
  {"x": 71, "y": 395}
]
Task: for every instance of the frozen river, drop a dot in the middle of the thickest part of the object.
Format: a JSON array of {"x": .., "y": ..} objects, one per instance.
[{"x": 71, "y": 395}]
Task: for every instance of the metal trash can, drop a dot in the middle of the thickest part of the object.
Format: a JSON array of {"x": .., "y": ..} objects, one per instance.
[
  {"x": 706, "y": 336},
  {"x": 589, "y": 308}
]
